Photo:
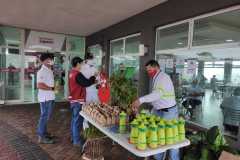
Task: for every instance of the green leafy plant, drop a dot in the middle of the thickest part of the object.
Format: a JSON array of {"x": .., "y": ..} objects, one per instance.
[
  {"x": 123, "y": 91},
  {"x": 92, "y": 133},
  {"x": 207, "y": 145}
]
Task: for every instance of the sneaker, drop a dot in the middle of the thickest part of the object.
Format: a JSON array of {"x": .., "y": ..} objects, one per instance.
[
  {"x": 49, "y": 135},
  {"x": 45, "y": 140}
]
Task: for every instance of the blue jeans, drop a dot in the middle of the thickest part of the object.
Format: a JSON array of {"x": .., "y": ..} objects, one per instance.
[
  {"x": 171, "y": 114},
  {"x": 77, "y": 122},
  {"x": 46, "y": 111}
]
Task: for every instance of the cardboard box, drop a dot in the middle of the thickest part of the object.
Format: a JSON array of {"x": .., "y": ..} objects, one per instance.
[{"x": 228, "y": 156}]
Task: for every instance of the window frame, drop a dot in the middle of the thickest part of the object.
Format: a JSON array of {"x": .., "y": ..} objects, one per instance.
[
  {"x": 100, "y": 52},
  {"x": 124, "y": 48},
  {"x": 124, "y": 43},
  {"x": 191, "y": 32}
]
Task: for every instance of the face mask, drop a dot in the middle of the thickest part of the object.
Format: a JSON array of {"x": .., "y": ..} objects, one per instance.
[
  {"x": 91, "y": 62},
  {"x": 152, "y": 73},
  {"x": 51, "y": 63}
]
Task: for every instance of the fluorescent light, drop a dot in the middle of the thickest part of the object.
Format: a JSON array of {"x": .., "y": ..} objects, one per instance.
[
  {"x": 7, "y": 51},
  {"x": 180, "y": 43},
  {"x": 40, "y": 47},
  {"x": 229, "y": 40},
  {"x": 29, "y": 50}
]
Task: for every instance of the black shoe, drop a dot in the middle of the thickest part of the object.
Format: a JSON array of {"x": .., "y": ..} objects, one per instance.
[
  {"x": 49, "y": 135},
  {"x": 45, "y": 140}
]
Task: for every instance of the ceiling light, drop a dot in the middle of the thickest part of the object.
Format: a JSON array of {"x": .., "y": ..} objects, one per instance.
[
  {"x": 180, "y": 43},
  {"x": 229, "y": 40}
]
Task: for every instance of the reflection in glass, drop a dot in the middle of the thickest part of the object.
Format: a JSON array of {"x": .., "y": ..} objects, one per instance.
[
  {"x": 10, "y": 64},
  {"x": 97, "y": 53},
  {"x": 132, "y": 45},
  {"x": 172, "y": 37},
  {"x": 76, "y": 45},
  {"x": 125, "y": 58},
  {"x": 117, "y": 48},
  {"x": 217, "y": 29}
]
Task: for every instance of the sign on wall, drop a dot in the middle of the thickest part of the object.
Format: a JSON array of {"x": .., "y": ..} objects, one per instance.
[
  {"x": 179, "y": 65},
  {"x": 191, "y": 66},
  {"x": 162, "y": 63},
  {"x": 169, "y": 66},
  {"x": 43, "y": 41}
]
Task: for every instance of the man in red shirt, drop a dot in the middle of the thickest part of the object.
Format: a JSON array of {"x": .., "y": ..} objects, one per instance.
[{"x": 77, "y": 97}]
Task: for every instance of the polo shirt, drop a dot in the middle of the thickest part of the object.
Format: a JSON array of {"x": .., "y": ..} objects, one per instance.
[{"x": 45, "y": 75}]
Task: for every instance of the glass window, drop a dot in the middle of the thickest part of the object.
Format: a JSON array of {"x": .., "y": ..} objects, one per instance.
[
  {"x": 209, "y": 72},
  {"x": 96, "y": 50},
  {"x": 10, "y": 64},
  {"x": 235, "y": 71},
  {"x": 217, "y": 29},
  {"x": 235, "y": 75},
  {"x": 117, "y": 48},
  {"x": 76, "y": 45},
  {"x": 172, "y": 37},
  {"x": 125, "y": 56},
  {"x": 132, "y": 45},
  {"x": 214, "y": 68},
  {"x": 236, "y": 64},
  {"x": 10, "y": 36},
  {"x": 218, "y": 58}
]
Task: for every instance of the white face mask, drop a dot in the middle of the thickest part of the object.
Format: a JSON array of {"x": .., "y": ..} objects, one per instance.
[
  {"x": 51, "y": 63},
  {"x": 91, "y": 62}
]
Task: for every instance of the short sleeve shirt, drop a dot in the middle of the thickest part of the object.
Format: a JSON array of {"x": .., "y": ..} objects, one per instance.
[{"x": 45, "y": 75}]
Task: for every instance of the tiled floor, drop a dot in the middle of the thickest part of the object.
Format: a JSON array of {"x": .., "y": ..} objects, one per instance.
[
  {"x": 209, "y": 113},
  {"x": 18, "y": 139},
  {"x": 16, "y": 146}
]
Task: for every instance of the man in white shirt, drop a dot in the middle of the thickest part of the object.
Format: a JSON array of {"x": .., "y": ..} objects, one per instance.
[
  {"x": 162, "y": 98},
  {"x": 46, "y": 96},
  {"x": 88, "y": 70}
]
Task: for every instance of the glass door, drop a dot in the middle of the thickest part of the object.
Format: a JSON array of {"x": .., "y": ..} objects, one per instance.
[
  {"x": 10, "y": 64},
  {"x": 32, "y": 65},
  {"x": 59, "y": 70},
  {"x": 2, "y": 77},
  {"x": 10, "y": 71}
]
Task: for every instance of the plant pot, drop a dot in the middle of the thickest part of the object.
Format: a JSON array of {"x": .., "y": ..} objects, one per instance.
[{"x": 94, "y": 148}]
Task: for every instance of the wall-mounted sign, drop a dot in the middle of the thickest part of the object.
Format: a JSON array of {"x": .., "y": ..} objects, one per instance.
[
  {"x": 162, "y": 63},
  {"x": 169, "y": 66},
  {"x": 179, "y": 65},
  {"x": 191, "y": 66},
  {"x": 142, "y": 49},
  {"x": 42, "y": 41}
]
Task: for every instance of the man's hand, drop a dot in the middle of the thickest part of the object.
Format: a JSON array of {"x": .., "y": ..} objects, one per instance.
[
  {"x": 135, "y": 105},
  {"x": 96, "y": 74}
]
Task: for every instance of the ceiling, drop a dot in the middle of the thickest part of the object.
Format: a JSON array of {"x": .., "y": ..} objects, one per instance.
[{"x": 78, "y": 17}]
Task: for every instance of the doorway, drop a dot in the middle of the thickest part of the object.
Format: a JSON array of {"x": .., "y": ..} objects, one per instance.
[
  {"x": 10, "y": 74},
  {"x": 31, "y": 67}
]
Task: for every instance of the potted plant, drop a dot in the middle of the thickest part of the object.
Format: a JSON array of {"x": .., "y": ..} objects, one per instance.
[
  {"x": 94, "y": 145},
  {"x": 207, "y": 145},
  {"x": 123, "y": 92}
]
